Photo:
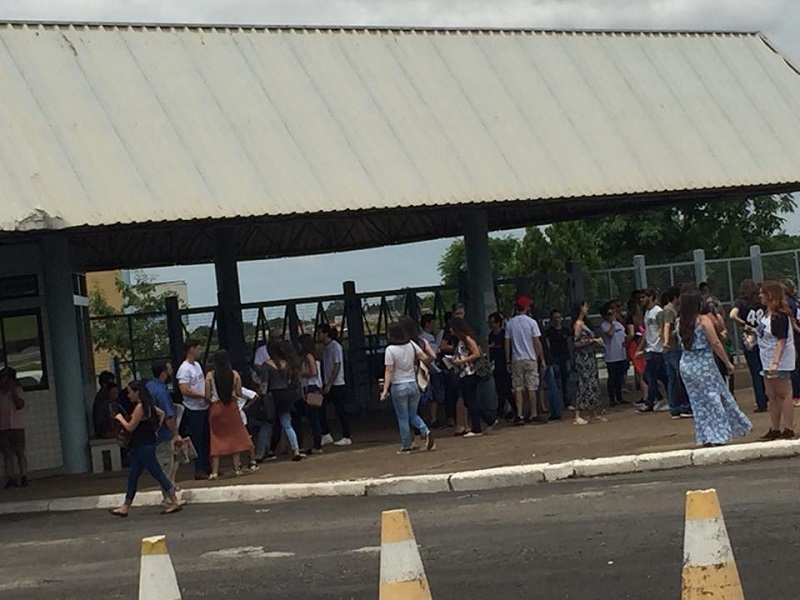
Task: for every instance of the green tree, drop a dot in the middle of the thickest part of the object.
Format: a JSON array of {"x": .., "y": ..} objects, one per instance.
[
  {"x": 131, "y": 334},
  {"x": 722, "y": 228},
  {"x": 503, "y": 250}
]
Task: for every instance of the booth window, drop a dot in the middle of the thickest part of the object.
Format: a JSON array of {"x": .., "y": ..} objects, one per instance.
[{"x": 22, "y": 347}]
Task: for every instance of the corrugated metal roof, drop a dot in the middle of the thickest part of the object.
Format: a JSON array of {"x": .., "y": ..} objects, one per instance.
[{"x": 123, "y": 124}]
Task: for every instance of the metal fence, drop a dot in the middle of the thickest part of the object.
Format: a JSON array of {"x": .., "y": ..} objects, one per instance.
[
  {"x": 135, "y": 340},
  {"x": 138, "y": 339},
  {"x": 723, "y": 275}
]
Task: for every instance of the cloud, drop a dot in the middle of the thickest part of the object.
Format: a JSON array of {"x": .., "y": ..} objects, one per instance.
[
  {"x": 780, "y": 19},
  {"x": 693, "y": 14}
]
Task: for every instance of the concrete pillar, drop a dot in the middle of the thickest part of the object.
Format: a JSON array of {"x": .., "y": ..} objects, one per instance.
[
  {"x": 639, "y": 272},
  {"x": 481, "y": 300},
  {"x": 65, "y": 351},
  {"x": 357, "y": 361},
  {"x": 230, "y": 328},
  {"x": 174, "y": 330},
  {"x": 700, "y": 274},
  {"x": 576, "y": 285},
  {"x": 756, "y": 266}
]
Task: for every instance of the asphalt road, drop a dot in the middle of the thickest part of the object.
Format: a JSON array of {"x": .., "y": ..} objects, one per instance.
[{"x": 618, "y": 537}]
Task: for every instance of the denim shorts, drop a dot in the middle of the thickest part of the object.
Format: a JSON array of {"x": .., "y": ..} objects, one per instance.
[{"x": 778, "y": 375}]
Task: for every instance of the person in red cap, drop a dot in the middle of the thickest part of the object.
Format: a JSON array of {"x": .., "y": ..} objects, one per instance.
[{"x": 524, "y": 355}]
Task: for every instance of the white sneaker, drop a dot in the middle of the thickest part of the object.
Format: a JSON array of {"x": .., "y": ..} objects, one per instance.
[
  {"x": 327, "y": 439},
  {"x": 471, "y": 434},
  {"x": 661, "y": 406},
  {"x": 580, "y": 421},
  {"x": 343, "y": 442}
]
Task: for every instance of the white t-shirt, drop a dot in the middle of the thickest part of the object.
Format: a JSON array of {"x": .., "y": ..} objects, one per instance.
[
  {"x": 332, "y": 354},
  {"x": 261, "y": 356},
  {"x": 403, "y": 358},
  {"x": 615, "y": 345},
  {"x": 434, "y": 344},
  {"x": 521, "y": 329},
  {"x": 652, "y": 330},
  {"x": 192, "y": 374},
  {"x": 315, "y": 380}
]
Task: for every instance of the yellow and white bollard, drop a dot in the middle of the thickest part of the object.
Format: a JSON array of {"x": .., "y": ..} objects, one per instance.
[
  {"x": 402, "y": 573},
  {"x": 709, "y": 569},
  {"x": 157, "y": 580}
]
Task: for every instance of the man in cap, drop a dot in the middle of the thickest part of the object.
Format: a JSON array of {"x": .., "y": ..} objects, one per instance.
[{"x": 524, "y": 356}]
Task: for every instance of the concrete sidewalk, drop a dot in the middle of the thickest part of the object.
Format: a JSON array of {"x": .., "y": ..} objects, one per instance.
[{"x": 372, "y": 456}]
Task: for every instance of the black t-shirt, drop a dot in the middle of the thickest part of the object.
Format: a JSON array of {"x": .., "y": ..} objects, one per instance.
[
  {"x": 557, "y": 340},
  {"x": 749, "y": 312},
  {"x": 497, "y": 350},
  {"x": 779, "y": 326}
]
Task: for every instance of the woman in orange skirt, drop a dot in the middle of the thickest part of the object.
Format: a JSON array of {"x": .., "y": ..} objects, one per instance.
[{"x": 229, "y": 436}]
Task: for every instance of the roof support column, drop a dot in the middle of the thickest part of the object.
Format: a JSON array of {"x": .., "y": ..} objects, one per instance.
[
  {"x": 230, "y": 328},
  {"x": 62, "y": 321},
  {"x": 480, "y": 301}
]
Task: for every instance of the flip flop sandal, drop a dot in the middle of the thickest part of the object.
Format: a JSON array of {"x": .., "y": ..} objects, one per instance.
[{"x": 172, "y": 509}]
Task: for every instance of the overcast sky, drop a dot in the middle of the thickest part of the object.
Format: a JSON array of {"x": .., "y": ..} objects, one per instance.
[{"x": 413, "y": 264}]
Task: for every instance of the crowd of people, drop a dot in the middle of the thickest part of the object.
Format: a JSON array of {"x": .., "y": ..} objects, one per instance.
[
  {"x": 677, "y": 347},
  {"x": 216, "y": 417}
]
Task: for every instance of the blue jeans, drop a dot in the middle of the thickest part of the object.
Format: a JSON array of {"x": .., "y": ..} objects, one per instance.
[
  {"x": 264, "y": 429},
  {"x": 677, "y": 404},
  {"x": 753, "y": 358},
  {"x": 654, "y": 372},
  {"x": 405, "y": 398},
  {"x": 195, "y": 424},
  {"x": 291, "y": 436},
  {"x": 562, "y": 367},
  {"x": 144, "y": 457},
  {"x": 553, "y": 395}
]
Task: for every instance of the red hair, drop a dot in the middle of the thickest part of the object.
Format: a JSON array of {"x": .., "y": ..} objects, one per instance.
[{"x": 775, "y": 297}]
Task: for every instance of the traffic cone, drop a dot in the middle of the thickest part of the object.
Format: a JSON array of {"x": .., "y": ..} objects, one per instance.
[
  {"x": 402, "y": 573},
  {"x": 709, "y": 569},
  {"x": 157, "y": 580}
]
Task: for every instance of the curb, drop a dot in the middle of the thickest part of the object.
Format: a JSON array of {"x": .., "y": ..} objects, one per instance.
[{"x": 464, "y": 481}]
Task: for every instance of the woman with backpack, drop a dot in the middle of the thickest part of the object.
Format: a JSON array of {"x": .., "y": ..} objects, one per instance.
[
  {"x": 141, "y": 428},
  {"x": 400, "y": 383}
]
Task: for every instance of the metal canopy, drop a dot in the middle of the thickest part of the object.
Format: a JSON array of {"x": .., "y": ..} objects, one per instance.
[{"x": 136, "y": 140}]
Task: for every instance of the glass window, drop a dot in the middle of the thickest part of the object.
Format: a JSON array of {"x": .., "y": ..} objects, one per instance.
[
  {"x": 25, "y": 286},
  {"x": 22, "y": 348}
]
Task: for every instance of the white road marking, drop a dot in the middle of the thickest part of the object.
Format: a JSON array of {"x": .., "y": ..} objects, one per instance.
[
  {"x": 246, "y": 552},
  {"x": 366, "y": 550},
  {"x": 39, "y": 543}
]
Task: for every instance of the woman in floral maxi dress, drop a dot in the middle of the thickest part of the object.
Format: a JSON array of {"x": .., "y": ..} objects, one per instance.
[
  {"x": 717, "y": 416},
  {"x": 587, "y": 394}
]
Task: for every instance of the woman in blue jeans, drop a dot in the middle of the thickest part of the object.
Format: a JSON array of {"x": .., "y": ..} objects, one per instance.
[
  {"x": 142, "y": 425},
  {"x": 400, "y": 382}
]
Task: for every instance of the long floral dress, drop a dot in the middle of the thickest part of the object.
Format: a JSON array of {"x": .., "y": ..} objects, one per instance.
[
  {"x": 587, "y": 395},
  {"x": 717, "y": 416}
]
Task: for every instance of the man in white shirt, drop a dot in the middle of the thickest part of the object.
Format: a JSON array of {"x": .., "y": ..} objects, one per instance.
[
  {"x": 653, "y": 348},
  {"x": 192, "y": 384},
  {"x": 333, "y": 384},
  {"x": 524, "y": 357}
]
